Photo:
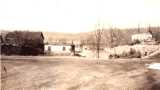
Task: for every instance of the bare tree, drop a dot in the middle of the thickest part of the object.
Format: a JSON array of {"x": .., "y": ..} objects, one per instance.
[
  {"x": 98, "y": 36},
  {"x": 114, "y": 38},
  {"x": 98, "y": 39},
  {"x": 94, "y": 40}
]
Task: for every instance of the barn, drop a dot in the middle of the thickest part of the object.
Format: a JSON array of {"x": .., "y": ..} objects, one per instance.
[{"x": 23, "y": 43}]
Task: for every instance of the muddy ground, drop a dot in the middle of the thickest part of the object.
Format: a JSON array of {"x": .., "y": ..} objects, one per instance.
[{"x": 73, "y": 73}]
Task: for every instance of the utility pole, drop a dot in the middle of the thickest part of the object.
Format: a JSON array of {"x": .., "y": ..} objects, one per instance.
[
  {"x": 139, "y": 28},
  {"x": 149, "y": 29}
]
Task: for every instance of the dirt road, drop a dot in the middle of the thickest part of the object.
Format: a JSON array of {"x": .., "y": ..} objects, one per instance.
[{"x": 71, "y": 73}]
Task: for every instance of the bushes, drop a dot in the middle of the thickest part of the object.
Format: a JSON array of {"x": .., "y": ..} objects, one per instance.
[
  {"x": 132, "y": 53},
  {"x": 136, "y": 42},
  {"x": 113, "y": 56}
]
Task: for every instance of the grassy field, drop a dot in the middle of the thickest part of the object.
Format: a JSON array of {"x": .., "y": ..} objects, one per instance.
[{"x": 73, "y": 73}]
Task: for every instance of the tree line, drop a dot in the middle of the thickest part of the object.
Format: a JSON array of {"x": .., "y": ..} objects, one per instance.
[{"x": 113, "y": 37}]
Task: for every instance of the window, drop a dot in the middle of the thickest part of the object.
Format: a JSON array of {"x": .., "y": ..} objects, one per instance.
[
  {"x": 64, "y": 48},
  {"x": 49, "y": 48}
]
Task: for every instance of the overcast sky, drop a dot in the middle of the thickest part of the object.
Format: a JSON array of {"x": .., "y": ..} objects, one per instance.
[{"x": 77, "y": 15}]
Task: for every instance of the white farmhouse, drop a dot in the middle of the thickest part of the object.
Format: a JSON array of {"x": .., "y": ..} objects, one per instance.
[
  {"x": 142, "y": 37},
  {"x": 59, "y": 49}
]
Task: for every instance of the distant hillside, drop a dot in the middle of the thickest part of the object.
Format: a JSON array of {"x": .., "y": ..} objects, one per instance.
[
  {"x": 125, "y": 34},
  {"x": 53, "y": 36}
]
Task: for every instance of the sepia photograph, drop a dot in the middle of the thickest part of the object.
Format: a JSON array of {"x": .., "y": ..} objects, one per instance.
[{"x": 80, "y": 44}]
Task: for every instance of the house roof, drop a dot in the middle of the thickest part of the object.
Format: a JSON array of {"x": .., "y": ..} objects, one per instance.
[
  {"x": 27, "y": 34},
  {"x": 31, "y": 35},
  {"x": 56, "y": 43},
  {"x": 142, "y": 34},
  {"x": 18, "y": 37}
]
